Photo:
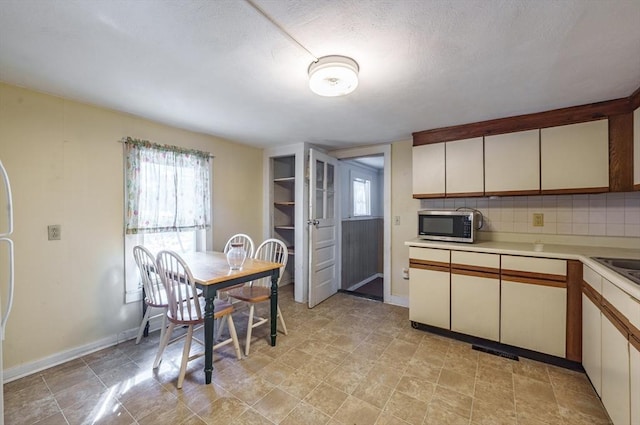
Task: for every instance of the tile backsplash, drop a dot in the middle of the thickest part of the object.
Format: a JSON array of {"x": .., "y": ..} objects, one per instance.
[{"x": 608, "y": 214}]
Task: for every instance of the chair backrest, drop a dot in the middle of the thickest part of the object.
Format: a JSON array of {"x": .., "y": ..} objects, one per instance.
[
  {"x": 245, "y": 240},
  {"x": 180, "y": 286},
  {"x": 154, "y": 291},
  {"x": 273, "y": 250}
]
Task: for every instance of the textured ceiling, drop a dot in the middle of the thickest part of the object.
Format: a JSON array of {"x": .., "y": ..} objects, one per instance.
[{"x": 219, "y": 67}]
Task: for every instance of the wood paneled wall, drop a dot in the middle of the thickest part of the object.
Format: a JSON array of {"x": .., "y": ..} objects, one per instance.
[{"x": 361, "y": 250}]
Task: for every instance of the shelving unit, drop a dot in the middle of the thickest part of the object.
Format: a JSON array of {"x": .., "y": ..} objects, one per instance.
[{"x": 283, "y": 210}]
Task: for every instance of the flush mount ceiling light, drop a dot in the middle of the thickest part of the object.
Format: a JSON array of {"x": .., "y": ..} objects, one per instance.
[{"x": 333, "y": 76}]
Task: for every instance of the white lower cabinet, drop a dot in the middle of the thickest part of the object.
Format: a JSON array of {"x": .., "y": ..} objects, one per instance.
[
  {"x": 429, "y": 287},
  {"x": 475, "y": 294},
  {"x": 592, "y": 342},
  {"x": 634, "y": 366},
  {"x": 534, "y": 316},
  {"x": 615, "y": 373},
  {"x": 429, "y": 297},
  {"x": 475, "y": 306}
]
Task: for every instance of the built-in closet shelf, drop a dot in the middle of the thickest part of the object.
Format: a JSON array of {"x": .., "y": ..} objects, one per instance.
[{"x": 283, "y": 210}]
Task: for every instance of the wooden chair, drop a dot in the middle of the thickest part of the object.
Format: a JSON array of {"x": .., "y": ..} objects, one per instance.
[
  {"x": 186, "y": 308},
  {"x": 245, "y": 240},
  {"x": 247, "y": 244},
  {"x": 155, "y": 296},
  {"x": 259, "y": 291}
]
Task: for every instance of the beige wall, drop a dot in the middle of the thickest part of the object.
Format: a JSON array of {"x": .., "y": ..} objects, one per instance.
[
  {"x": 404, "y": 206},
  {"x": 65, "y": 167}
]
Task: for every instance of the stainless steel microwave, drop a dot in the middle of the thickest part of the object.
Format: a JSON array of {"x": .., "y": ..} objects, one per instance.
[{"x": 451, "y": 226}]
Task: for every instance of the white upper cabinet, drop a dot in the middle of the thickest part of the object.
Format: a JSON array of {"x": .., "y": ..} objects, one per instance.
[
  {"x": 636, "y": 148},
  {"x": 575, "y": 156},
  {"x": 464, "y": 167},
  {"x": 512, "y": 162},
  {"x": 428, "y": 170}
]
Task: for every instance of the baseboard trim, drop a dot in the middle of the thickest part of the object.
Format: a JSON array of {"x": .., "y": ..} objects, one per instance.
[
  {"x": 26, "y": 369},
  {"x": 364, "y": 282}
]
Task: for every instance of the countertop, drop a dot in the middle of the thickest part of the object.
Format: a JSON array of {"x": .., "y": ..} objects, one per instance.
[{"x": 566, "y": 252}]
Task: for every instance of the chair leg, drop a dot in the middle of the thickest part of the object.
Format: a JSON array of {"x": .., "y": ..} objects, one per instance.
[
  {"x": 284, "y": 327},
  {"x": 249, "y": 329},
  {"x": 220, "y": 329},
  {"x": 185, "y": 355},
  {"x": 163, "y": 329},
  {"x": 163, "y": 344},
  {"x": 145, "y": 319},
  {"x": 234, "y": 336}
]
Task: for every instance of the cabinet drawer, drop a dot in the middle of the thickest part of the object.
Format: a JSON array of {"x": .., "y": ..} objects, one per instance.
[
  {"x": 619, "y": 299},
  {"x": 477, "y": 259},
  {"x": 592, "y": 278},
  {"x": 544, "y": 268},
  {"x": 429, "y": 254}
]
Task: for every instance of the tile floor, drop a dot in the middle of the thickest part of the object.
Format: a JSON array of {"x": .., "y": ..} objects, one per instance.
[{"x": 348, "y": 361}]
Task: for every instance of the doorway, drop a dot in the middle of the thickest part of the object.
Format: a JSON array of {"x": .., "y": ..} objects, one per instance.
[{"x": 365, "y": 234}]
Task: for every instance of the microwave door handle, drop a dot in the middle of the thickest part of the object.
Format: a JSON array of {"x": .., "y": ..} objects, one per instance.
[{"x": 7, "y": 311}]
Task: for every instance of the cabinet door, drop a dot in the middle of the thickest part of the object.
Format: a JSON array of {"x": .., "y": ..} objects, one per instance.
[
  {"x": 575, "y": 156},
  {"x": 592, "y": 343},
  {"x": 534, "y": 316},
  {"x": 636, "y": 149},
  {"x": 634, "y": 366},
  {"x": 615, "y": 373},
  {"x": 512, "y": 163},
  {"x": 428, "y": 170},
  {"x": 429, "y": 297},
  {"x": 429, "y": 286},
  {"x": 464, "y": 167},
  {"x": 475, "y": 306}
]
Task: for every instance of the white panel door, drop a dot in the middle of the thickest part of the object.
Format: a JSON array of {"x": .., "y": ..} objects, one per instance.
[{"x": 323, "y": 212}]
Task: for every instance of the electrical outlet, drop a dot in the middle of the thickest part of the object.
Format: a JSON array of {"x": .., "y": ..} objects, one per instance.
[
  {"x": 396, "y": 220},
  {"x": 538, "y": 220},
  {"x": 54, "y": 232}
]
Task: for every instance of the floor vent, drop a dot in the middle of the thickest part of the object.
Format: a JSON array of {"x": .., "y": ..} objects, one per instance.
[{"x": 495, "y": 352}]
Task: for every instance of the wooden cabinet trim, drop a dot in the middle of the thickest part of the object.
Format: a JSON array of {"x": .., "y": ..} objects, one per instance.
[
  {"x": 582, "y": 191},
  {"x": 466, "y": 270},
  {"x": 574, "y": 311},
  {"x": 513, "y": 193},
  {"x": 428, "y": 195},
  {"x": 592, "y": 294},
  {"x": 612, "y": 315},
  {"x": 533, "y": 281},
  {"x": 553, "y": 118},
  {"x": 621, "y": 152},
  {"x": 635, "y": 341},
  {"x": 464, "y": 195},
  {"x": 429, "y": 265},
  {"x": 512, "y": 274}
]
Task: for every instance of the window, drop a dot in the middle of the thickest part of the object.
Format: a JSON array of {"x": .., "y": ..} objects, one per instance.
[
  {"x": 167, "y": 202},
  {"x": 361, "y": 197}
]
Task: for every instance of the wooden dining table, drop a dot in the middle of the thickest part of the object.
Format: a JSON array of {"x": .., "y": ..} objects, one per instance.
[{"x": 211, "y": 272}]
